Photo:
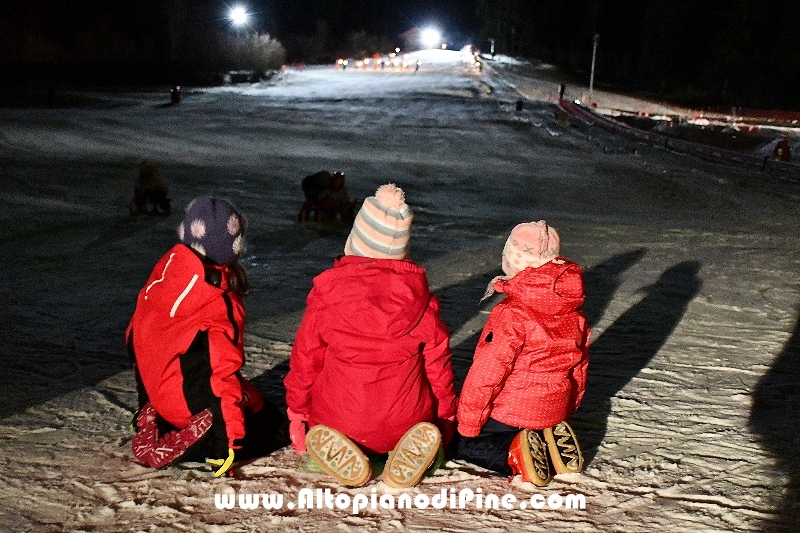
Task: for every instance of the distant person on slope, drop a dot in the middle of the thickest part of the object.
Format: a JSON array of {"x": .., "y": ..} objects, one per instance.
[
  {"x": 335, "y": 202},
  {"x": 150, "y": 193},
  {"x": 314, "y": 187},
  {"x": 370, "y": 371},
  {"x": 782, "y": 151},
  {"x": 528, "y": 373},
  {"x": 326, "y": 199},
  {"x": 186, "y": 342}
]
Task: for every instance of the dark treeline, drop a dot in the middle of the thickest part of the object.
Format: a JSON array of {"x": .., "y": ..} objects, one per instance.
[
  {"x": 743, "y": 53},
  {"x": 137, "y": 41},
  {"x": 740, "y": 53}
]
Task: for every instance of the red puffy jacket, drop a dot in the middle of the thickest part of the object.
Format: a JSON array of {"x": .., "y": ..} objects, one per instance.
[
  {"x": 529, "y": 367},
  {"x": 371, "y": 357},
  {"x": 174, "y": 307}
]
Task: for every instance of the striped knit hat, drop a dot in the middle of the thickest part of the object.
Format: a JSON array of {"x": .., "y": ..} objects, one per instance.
[
  {"x": 382, "y": 227},
  {"x": 531, "y": 244}
]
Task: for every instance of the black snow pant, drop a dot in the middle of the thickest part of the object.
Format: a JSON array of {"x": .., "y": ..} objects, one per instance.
[
  {"x": 266, "y": 430},
  {"x": 490, "y": 448}
]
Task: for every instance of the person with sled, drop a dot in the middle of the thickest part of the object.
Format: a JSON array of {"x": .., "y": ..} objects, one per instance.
[
  {"x": 326, "y": 199},
  {"x": 334, "y": 203},
  {"x": 150, "y": 193},
  {"x": 186, "y": 343},
  {"x": 314, "y": 187},
  {"x": 528, "y": 373},
  {"x": 782, "y": 151},
  {"x": 370, "y": 372}
]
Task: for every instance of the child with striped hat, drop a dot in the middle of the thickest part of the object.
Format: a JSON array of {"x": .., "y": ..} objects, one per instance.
[{"x": 370, "y": 371}]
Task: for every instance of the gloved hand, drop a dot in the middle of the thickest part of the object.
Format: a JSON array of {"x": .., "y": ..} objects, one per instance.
[
  {"x": 298, "y": 425},
  {"x": 252, "y": 400},
  {"x": 222, "y": 465}
]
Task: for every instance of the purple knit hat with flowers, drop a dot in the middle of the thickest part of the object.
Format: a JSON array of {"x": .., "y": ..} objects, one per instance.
[{"x": 213, "y": 228}]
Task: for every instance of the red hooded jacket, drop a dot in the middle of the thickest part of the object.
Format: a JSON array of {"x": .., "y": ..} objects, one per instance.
[
  {"x": 529, "y": 367},
  {"x": 175, "y": 306},
  {"x": 371, "y": 357}
]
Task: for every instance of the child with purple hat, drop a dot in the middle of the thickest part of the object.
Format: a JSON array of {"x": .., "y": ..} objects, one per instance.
[{"x": 186, "y": 339}]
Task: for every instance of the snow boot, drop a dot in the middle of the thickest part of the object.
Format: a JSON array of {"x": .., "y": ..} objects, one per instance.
[
  {"x": 159, "y": 451},
  {"x": 564, "y": 449},
  {"x": 414, "y": 454},
  {"x": 527, "y": 456},
  {"x": 338, "y": 456}
]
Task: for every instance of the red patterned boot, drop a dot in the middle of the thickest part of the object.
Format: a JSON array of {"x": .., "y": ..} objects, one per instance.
[{"x": 159, "y": 451}]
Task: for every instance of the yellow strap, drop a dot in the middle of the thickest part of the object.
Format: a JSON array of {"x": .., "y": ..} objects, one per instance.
[{"x": 223, "y": 464}]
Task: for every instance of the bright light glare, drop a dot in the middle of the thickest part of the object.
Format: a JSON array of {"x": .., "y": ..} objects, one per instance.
[
  {"x": 238, "y": 15},
  {"x": 431, "y": 38}
]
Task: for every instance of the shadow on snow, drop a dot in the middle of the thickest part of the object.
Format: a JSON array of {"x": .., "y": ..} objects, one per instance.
[
  {"x": 774, "y": 418},
  {"x": 628, "y": 345}
]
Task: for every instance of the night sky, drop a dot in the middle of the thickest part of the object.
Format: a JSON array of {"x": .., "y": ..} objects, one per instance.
[
  {"x": 457, "y": 19},
  {"x": 281, "y": 18}
]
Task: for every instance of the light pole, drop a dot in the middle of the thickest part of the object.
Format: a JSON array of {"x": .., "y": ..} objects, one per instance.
[
  {"x": 239, "y": 18},
  {"x": 594, "y": 56}
]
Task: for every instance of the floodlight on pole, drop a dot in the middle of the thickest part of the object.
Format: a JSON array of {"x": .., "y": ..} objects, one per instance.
[
  {"x": 238, "y": 16},
  {"x": 431, "y": 38}
]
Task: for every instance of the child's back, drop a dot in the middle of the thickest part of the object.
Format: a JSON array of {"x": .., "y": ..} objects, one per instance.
[
  {"x": 374, "y": 336},
  {"x": 371, "y": 360},
  {"x": 529, "y": 369},
  {"x": 535, "y": 338}
]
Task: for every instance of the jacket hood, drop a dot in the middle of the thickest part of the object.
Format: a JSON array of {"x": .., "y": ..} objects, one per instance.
[
  {"x": 554, "y": 288},
  {"x": 384, "y": 297},
  {"x": 177, "y": 283}
]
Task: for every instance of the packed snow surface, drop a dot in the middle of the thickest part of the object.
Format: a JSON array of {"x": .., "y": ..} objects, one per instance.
[{"x": 690, "y": 420}]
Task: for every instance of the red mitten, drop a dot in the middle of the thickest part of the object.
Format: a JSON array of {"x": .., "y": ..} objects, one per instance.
[
  {"x": 252, "y": 400},
  {"x": 298, "y": 425}
]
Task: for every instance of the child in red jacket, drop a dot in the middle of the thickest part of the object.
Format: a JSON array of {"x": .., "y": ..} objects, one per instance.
[
  {"x": 186, "y": 341},
  {"x": 370, "y": 371},
  {"x": 528, "y": 373}
]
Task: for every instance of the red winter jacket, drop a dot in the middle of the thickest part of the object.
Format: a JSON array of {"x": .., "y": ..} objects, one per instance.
[
  {"x": 371, "y": 357},
  {"x": 529, "y": 367},
  {"x": 174, "y": 307}
]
